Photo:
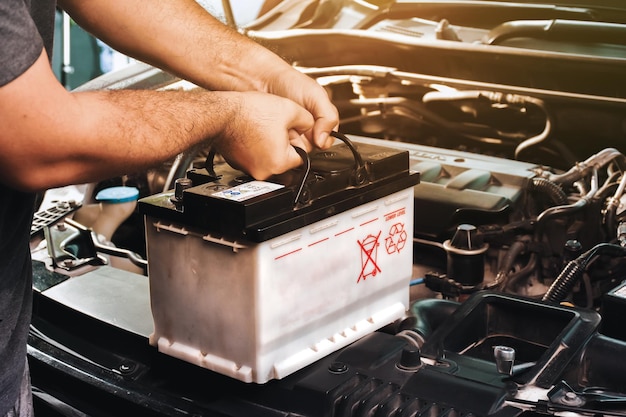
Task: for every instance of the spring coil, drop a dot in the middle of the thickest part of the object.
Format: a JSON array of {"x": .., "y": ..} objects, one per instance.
[
  {"x": 551, "y": 189},
  {"x": 564, "y": 283}
]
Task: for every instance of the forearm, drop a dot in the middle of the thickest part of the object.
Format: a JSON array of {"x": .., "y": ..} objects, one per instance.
[
  {"x": 59, "y": 138},
  {"x": 103, "y": 134},
  {"x": 179, "y": 36},
  {"x": 182, "y": 38}
]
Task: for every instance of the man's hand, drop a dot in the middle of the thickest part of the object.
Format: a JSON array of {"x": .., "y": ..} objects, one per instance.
[
  {"x": 261, "y": 137},
  {"x": 92, "y": 135},
  {"x": 182, "y": 38},
  {"x": 305, "y": 91}
]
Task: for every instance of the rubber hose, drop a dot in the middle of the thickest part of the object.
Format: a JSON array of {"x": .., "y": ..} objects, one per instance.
[
  {"x": 551, "y": 189},
  {"x": 564, "y": 283},
  {"x": 428, "y": 314},
  {"x": 506, "y": 264},
  {"x": 514, "y": 278}
]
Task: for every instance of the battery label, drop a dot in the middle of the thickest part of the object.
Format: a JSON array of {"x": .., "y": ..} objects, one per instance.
[{"x": 247, "y": 190}]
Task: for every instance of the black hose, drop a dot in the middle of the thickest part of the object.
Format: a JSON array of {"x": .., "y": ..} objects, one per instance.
[
  {"x": 513, "y": 280},
  {"x": 569, "y": 208},
  {"x": 506, "y": 264},
  {"x": 551, "y": 189},
  {"x": 574, "y": 269},
  {"x": 564, "y": 283},
  {"x": 610, "y": 218},
  {"x": 428, "y": 314}
]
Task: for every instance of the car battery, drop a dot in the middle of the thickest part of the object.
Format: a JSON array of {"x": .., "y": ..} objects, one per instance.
[
  {"x": 613, "y": 309},
  {"x": 257, "y": 279}
]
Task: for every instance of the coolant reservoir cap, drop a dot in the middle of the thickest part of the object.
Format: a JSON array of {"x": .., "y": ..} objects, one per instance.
[{"x": 114, "y": 195}]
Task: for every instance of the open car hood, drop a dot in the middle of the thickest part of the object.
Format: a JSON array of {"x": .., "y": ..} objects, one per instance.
[{"x": 512, "y": 115}]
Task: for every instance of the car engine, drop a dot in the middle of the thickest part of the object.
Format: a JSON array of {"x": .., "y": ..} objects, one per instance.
[{"x": 517, "y": 289}]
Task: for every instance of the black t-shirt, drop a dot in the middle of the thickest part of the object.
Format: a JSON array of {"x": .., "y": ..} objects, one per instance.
[
  {"x": 24, "y": 31},
  {"x": 15, "y": 290}
]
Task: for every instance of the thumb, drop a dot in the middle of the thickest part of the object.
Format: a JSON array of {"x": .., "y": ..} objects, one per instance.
[{"x": 296, "y": 155}]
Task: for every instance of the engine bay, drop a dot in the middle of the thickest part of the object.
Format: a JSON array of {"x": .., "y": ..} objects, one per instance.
[{"x": 516, "y": 293}]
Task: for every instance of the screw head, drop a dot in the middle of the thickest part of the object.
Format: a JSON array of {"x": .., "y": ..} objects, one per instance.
[
  {"x": 127, "y": 367},
  {"x": 338, "y": 367}
]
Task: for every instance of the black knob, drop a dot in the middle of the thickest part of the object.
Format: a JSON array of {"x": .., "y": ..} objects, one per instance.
[
  {"x": 466, "y": 238},
  {"x": 411, "y": 358}
]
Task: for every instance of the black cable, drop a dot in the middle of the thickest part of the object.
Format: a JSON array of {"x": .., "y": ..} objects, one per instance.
[{"x": 574, "y": 269}]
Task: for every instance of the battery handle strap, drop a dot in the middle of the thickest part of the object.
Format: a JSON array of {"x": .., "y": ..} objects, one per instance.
[{"x": 361, "y": 175}]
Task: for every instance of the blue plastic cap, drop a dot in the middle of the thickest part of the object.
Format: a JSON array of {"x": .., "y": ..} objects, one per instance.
[{"x": 118, "y": 195}]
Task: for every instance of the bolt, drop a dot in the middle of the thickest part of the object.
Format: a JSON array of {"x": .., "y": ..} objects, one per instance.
[
  {"x": 411, "y": 359},
  {"x": 338, "y": 367},
  {"x": 127, "y": 367},
  {"x": 572, "y": 399},
  {"x": 63, "y": 205}
]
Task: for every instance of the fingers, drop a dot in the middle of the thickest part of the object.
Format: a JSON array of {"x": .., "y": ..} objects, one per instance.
[
  {"x": 260, "y": 140},
  {"x": 326, "y": 120},
  {"x": 301, "y": 125},
  {"x": 308, "y": 93},
  {"x": 300, "y": 140},
  {"x": 321, "y": 133}
]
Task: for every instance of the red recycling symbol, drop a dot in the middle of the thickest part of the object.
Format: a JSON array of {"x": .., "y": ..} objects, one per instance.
[
  {"x": 369, "y": 255},
  {"x": 397, "y": 238}
]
